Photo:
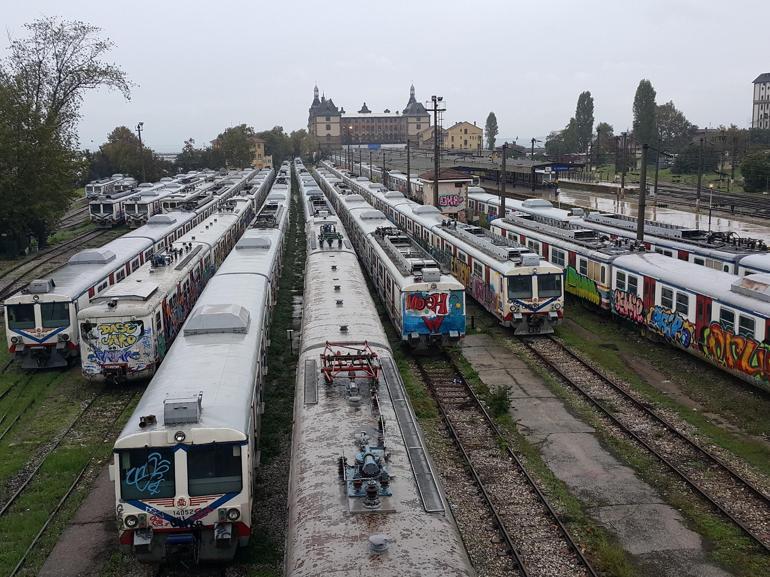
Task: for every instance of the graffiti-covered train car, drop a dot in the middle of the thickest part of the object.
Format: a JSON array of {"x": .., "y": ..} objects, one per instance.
[{"x": 426, "y": 306}]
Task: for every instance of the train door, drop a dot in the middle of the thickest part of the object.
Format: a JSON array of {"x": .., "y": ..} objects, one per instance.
[
  {"x": 572, "y": 258},
  {"x": 702, "y": 314},
  {"x": 648, "y": 296},
  {"x": 544, "y": 248}
]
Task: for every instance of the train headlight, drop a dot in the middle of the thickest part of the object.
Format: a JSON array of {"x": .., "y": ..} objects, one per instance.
[
  {"x": 15, "y": 340},
  {"x": 556, "y": 306},
  {"x": 131, "y": 521},
  {"x": 233, "y": 514},
  {"x": 64, "y": 337},
  {"x": 179, "y": 436}
]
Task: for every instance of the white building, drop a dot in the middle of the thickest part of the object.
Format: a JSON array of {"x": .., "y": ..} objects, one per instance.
[{"x": 760, "y": 112}]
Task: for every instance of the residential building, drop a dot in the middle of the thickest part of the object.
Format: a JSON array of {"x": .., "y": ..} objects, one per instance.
[
  {"x": 324, "y": 121},
  {"x": 424, "y": 138},
  {"x": 760, "y": 111},
  {"x": 261, "y": 160},
  {"x": 452, "y": 191},
  {"x": 464, "y": 136}
]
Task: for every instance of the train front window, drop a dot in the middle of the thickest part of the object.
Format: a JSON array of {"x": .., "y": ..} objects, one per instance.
[
  {"x": 548, "y": 285},
  {"x": 214, "y": 469},
  {"x": 520, "y": 287},
  {"x": 21, "y": 316},
  {"x": 147, "y": 473},
  {"x": 55, "y": 315}
]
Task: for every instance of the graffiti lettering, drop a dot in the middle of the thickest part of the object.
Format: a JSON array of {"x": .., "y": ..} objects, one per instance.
[
  {"x": 628, "y": 305},
  {"x": 119, "y": 335},
  {"x": 671, "y": 325},
  {"x": 453, "y": 200},
  {"x": 433, "y": 323},
  {"x": 736, "y": 352},
  {"x": 582, "y": 287},
  {"x": 433, "y": 303},
  {"x": 148, "y": 477}
]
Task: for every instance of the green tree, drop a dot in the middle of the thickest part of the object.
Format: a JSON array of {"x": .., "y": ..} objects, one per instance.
[
  {"x": 644, "y": 113},
  {"x": 584, "y": 121},
  {"x": 605, "y": 136},
  {"x": 236, "y": 145},
  {"x": 688, "y": 159},
  {"x": 756, "y": 171},
  {"x": 123, "y": 153},
  {"x": 277, "y": 143},
  {"x": 42, "y": 82},
  {"x": 491, "y": 130},
  {"x": 674, "y": 130}
]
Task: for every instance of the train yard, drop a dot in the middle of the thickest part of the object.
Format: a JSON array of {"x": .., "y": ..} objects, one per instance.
[{"x": 492, "y": 507}]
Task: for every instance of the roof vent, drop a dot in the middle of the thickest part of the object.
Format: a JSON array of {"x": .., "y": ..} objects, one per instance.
[
  {"x": 161, "y": 219},
  {"x": 334, "y": 267},
  {"x": 41, "y": 286},
  {"x": 431, "y": 274},
  {"x": 228, "y": 318},
  {"x": 378, "y": 543},
  {"x": 254, "y": 242},
  {"x": 425, "y": 209},
  {"x": 337, "y": 288},
  {"x": 372, "y": 215},
  {"x": 339, "y": 302},
  {"x": 343, "y": 328},
  {"x": 530, "y": 259},
  {"x": 394, "y": 194},
  {"x": 92, "y": 256},
  {"x": 182, "y": 411}
]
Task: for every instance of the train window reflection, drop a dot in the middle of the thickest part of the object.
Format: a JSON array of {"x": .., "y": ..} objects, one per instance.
[
  {"x": 214, "y": 469},
  {"x": 549, "y": 285},
  {"x": 520, "y": 287},
  {"x": 21, "y": 316},
  {"x": 54, "y": 315}
]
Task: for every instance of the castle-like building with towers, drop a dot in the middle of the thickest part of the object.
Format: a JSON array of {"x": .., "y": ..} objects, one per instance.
[{"x": 333, "y": 127}]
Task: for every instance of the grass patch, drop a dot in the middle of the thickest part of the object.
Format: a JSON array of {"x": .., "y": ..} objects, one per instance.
[{"x": 65, "y": 234}]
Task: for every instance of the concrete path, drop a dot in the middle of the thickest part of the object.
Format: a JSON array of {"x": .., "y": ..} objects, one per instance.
[
  {"x": 653, "y": 532},
  {"x": 80, "y": 551}
]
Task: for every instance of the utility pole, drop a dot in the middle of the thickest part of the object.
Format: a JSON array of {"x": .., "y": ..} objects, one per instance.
[
  {"x": 642, "y": 195},
  {"x": 625, "y": 161},
  {"x": 436, "y": 151},
  {"x": 532, "y": 159},
  {"x": 408, "y": 171},
  {"x": 732, "y": 161},
  {"x": 700, "y": 171},
  {"x": 598, "y": 145},
  {"x": 657, "y": 167},
  {"x": 141, "y": 149},
  {"x": 383, "y": 168},
  {"x": 370, "y": 165},
  {"x": 360, "y": 164},
  {"x": 502, "y": 183}
]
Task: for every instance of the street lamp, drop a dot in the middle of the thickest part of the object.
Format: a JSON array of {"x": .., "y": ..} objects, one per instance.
[
  {"x": 350, "y": 154},
  {"x": 711, "y": 195},
  {"x": 141, "y": 149}
]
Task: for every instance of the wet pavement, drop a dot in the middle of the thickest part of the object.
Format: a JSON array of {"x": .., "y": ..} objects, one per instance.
[{"x": 653, "y": 532}]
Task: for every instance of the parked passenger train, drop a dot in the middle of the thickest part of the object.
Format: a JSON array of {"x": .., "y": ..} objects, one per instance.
[
  {"x": 512, "y": 282},
  {"x": 426, "y": 306},
  {"x": 41, "y": 319},
  {"x": 195, "y": 432},
  {"x": 718, "y": 316},
  {"x": 363, "y": 496},
  {"x": 126, "y": 331}
]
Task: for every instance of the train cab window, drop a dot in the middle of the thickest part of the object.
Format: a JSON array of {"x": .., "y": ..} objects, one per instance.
[
  {"x": 583, "y": 267},
  {"x": 633, "y": 284},
  {"x": 558, "y": 257},
  {"x": 727, "y": 319},
  {"x": 520, "y": 287},
  {"x": 21, "y": 316},
  {"x": 746, "y": 327},
  {"x": 667, "y": 298},
  {"x": 54, "y": 315},
  {"x": 214, "y": 469},
  {"x": 147, "y": 473},
  {"x": 548, "y": 285},
  {"x": 620, "y": 281},
  {"x": 682, "y": 303}
]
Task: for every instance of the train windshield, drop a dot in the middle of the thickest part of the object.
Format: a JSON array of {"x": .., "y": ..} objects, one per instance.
[
  {"x": 55, "y": 315},
  {"x": 520, "y": 287},
  {"x": 147, "y": 473},
  {"x": 549, "y": 285},
  {"x": 21, "y": 316},
  {"x": 214, "y": 469}
]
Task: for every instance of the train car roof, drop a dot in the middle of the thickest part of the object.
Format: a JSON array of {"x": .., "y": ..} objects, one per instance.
[{"x": 759, "y": 262}]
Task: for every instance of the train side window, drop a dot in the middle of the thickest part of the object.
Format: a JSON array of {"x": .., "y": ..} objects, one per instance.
[
  {"x": 667, "y": 298},
  {"x": 214, "y": 469},
  {"x": 583, "y": 267},
  {"x": 603, "y": 274},
  {"x": 557, "y": 257},
  {"x": 620, "y": 281},
  {"x": 633, "y": 284},
  {"x": 103, "y": 286},
  {"x": 746, "y": 327},
  {"x": 534, "y": 246},
  {"x": 727, "y": 319},
  {"x": 478, "y": 270},
  {"x": 682, "y": 303},
  {"x": 726, "y": 268},
  {"x": 21, "y": 316},
  {"x": 699, "y": 261}
]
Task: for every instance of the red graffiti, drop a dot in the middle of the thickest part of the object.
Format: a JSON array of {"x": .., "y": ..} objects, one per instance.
[
  {"x": 736, "y": 352},
  {"x": 433, "y": 323},
  {"x": 628, "y": 305},
  {"x": 437, "y": 303}
]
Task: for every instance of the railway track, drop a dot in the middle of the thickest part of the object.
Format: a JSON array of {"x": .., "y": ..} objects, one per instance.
[
  {"x": 535, "y": 538},
  {"x": 103, "y": 408},
  {"x": 724, "y": 488},
  {"x": 74, "y": 218},
  {"x": 12, "y": 279}
]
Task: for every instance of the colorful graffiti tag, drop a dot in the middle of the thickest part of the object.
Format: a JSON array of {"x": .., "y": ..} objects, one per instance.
[
  {"x": 628, "y": 305},
  {"x": 126, "y": 343},
  {"x": 671, "y": 325},
  {"x": 433, "y": 312},
  {"x": 736, "y": 352},
  {"x": 582, "y": 287},
  {"x": 120, "y": 335}
]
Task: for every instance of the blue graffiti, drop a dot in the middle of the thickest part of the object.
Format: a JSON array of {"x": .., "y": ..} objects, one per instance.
[
  {"x": 671, "y": 325},
  {"x": 148, "y": 477},
  {"x": 104, "y": 356}
]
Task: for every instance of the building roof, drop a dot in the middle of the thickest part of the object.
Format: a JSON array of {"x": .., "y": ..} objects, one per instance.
[
  {"x": 364, "y": 109},
  {"x": 414, "y": 108},
  {"x": 765, "y": 77},
  {"x": 446, "y": 174},
  {"x": 462, "y": 122}
]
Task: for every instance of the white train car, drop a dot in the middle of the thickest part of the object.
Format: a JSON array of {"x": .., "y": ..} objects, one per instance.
[
  {"x": 184, "y": 464},
  {"x": 426, "y": 306},
  {"x": 108, "y": 210},
  {"x": 41, "y": 319},
  {"x": 102, "y": 186},
  {"x": 139, "y": 208},
  {"x": 508, "y": 279},
  {"x": 363, "y": 497},
  {"x": 126, "y": 331}
]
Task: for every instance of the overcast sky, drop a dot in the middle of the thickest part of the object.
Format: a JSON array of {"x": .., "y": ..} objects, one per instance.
[{"x": 201, "y": 66}]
